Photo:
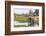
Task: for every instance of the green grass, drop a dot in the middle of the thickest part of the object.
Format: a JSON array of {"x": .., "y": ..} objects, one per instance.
[
  {"x": 21, "y": 18},
  {"x": 25, "y": 19}
]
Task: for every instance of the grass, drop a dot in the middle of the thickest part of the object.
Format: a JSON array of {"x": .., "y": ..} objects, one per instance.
[
  {"x": 21, "y": 19},
  {"x": 25, "y": 19}
]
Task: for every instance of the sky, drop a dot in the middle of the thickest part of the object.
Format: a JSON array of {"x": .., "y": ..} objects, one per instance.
[{"x": 22, "y": 10}]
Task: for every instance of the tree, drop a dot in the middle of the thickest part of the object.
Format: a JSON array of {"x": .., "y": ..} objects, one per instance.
[
  {"x": 30, "y": 18},
  {"x": 29, "y": 12},
  {"x": 37, "y": 12}
]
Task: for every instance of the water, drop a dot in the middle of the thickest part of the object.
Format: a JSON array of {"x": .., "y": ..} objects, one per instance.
[{"x": 21, "y": 23}]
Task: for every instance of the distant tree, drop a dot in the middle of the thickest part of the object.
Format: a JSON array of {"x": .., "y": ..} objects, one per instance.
[
  {"x": 29, "y": 11},
  {"x": 37, "y": 12},
  {"x": 26, "y": 14},
  {"x": 22, "y": 13}
]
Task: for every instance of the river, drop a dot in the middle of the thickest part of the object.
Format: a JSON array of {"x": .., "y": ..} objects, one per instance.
[{"x": 21, "y": 23}]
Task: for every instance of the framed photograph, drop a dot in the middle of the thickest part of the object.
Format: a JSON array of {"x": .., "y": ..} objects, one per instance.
[{"x": 24, "y": 17}]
